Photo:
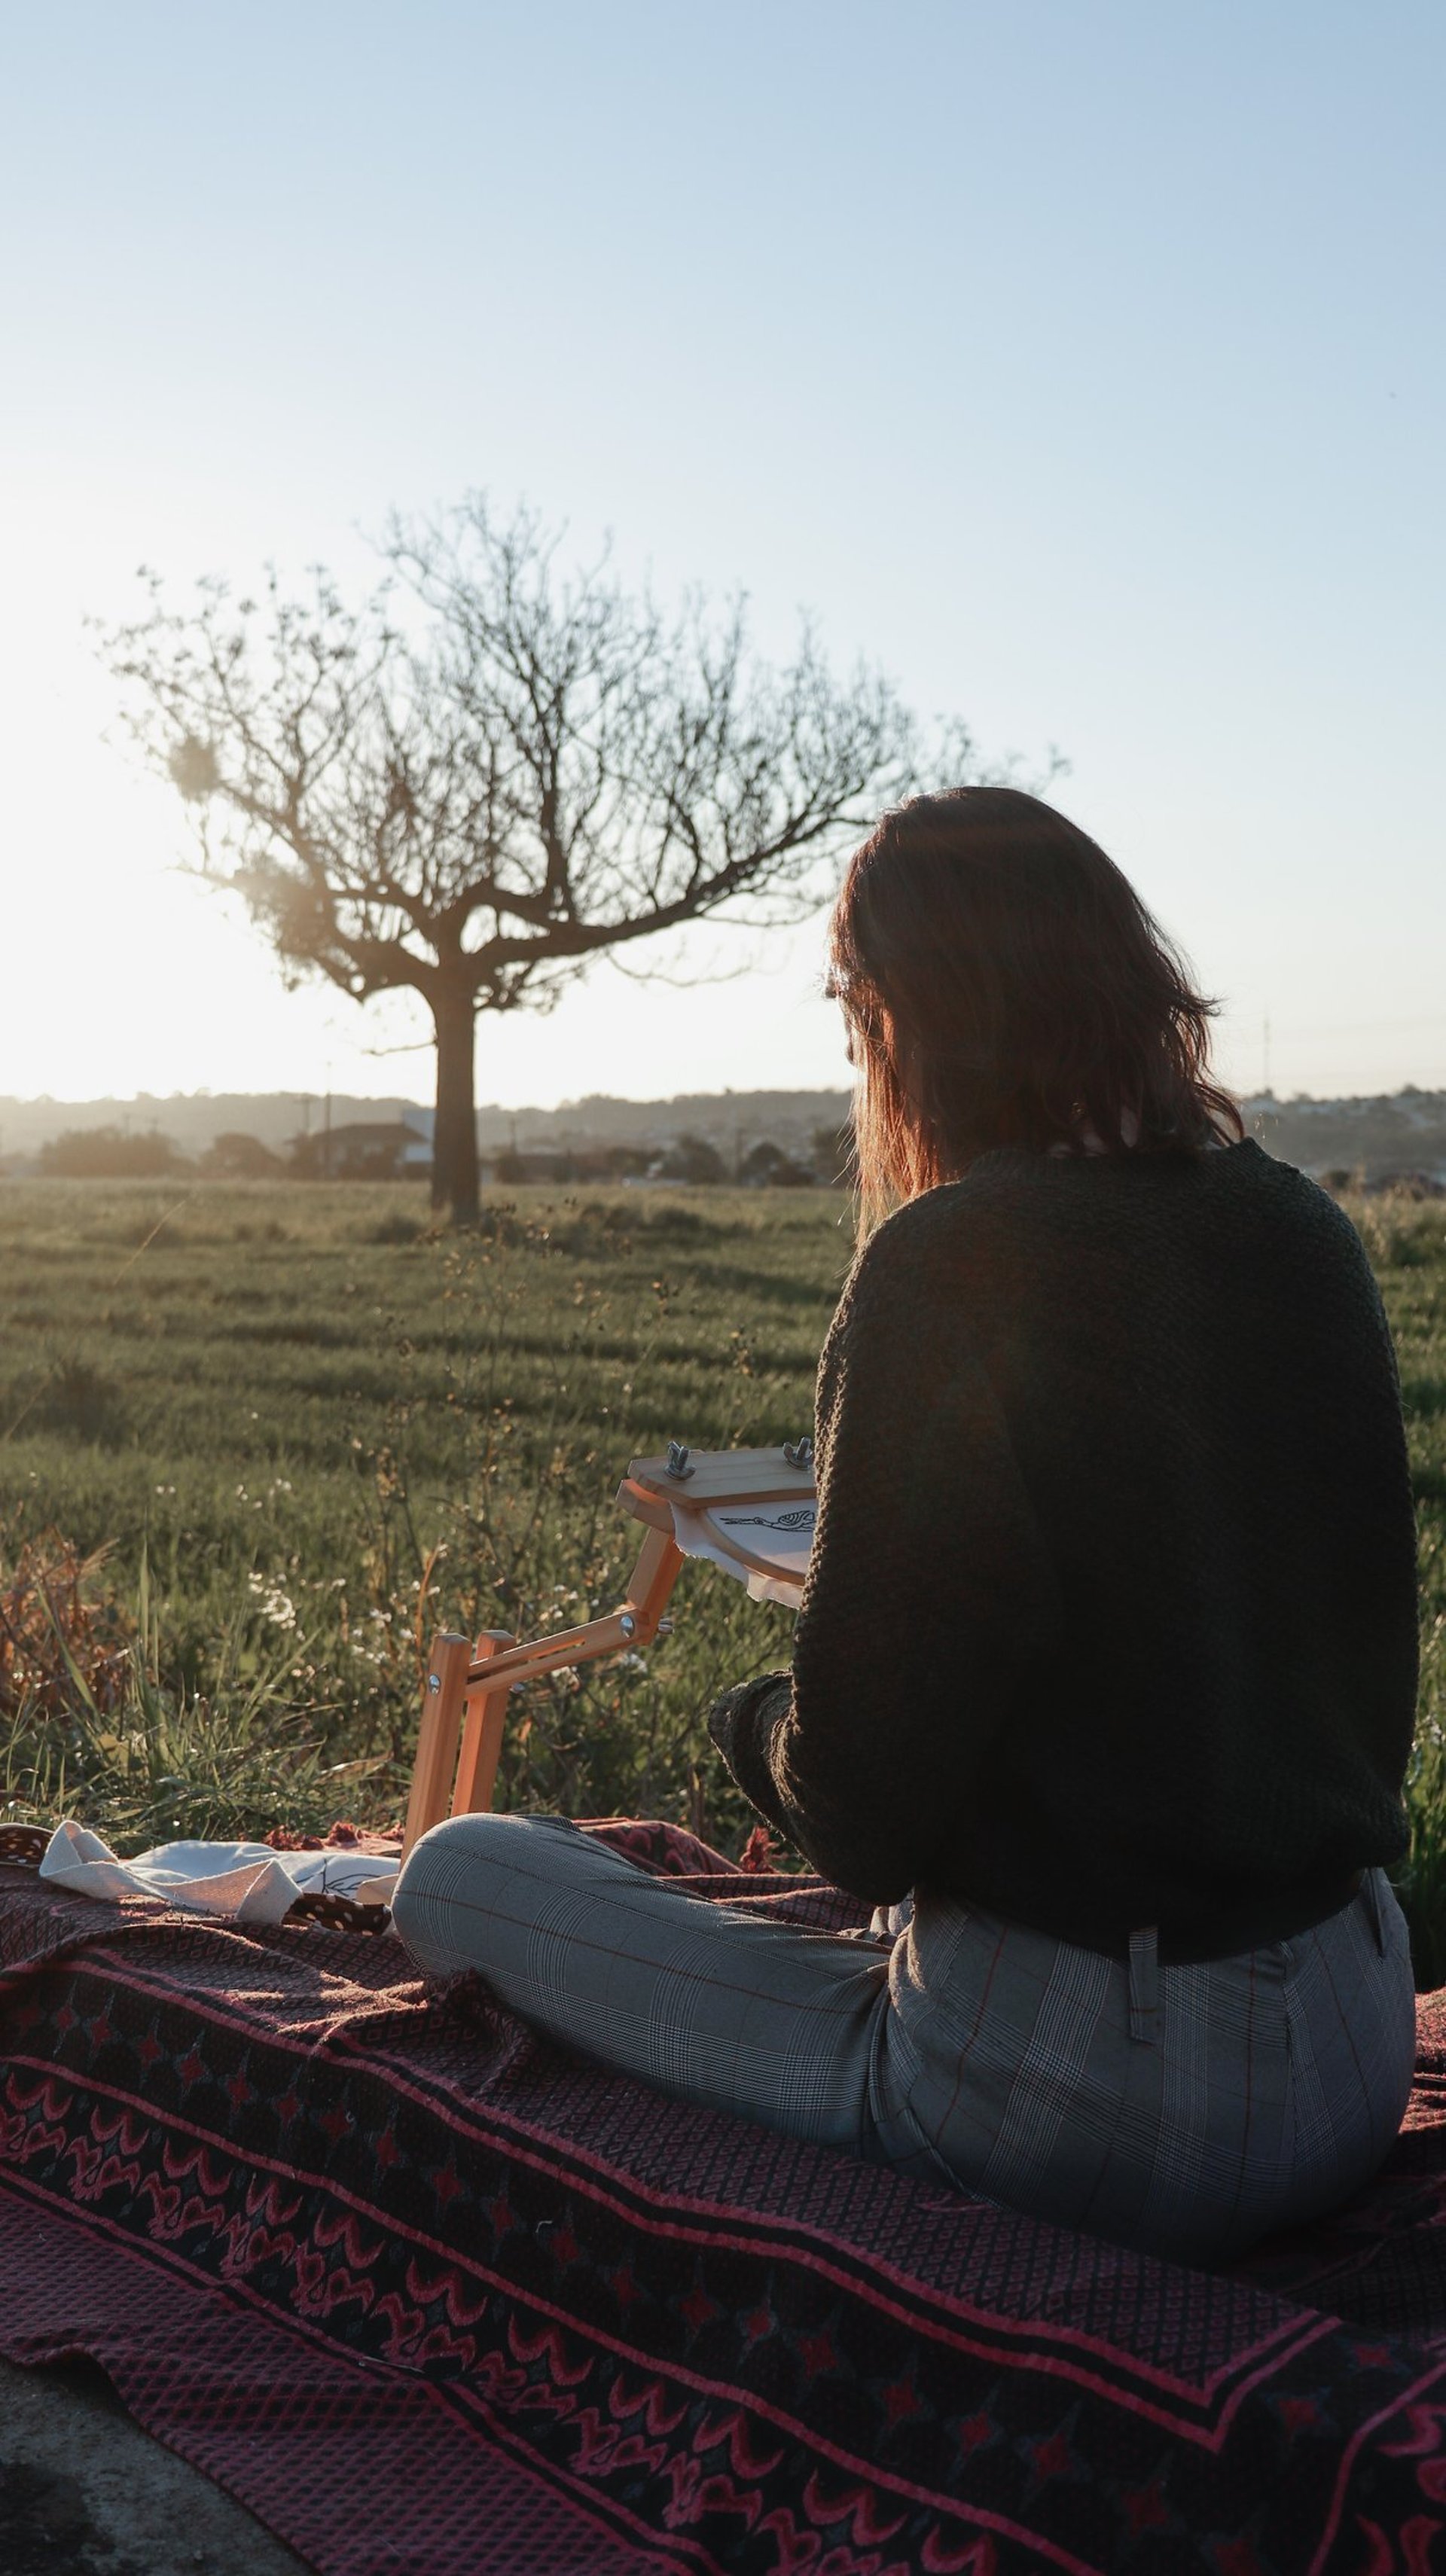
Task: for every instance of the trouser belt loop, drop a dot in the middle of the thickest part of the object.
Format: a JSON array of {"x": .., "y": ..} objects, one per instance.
[
  {"x": 1371, "y": 1891},
  {"x": 1145, "y": 1985}
]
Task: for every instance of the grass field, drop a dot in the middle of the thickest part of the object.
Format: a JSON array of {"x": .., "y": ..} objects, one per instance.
[
  {"x": 309, "y": 1431},
  {"x": 306, "y": 1431}
]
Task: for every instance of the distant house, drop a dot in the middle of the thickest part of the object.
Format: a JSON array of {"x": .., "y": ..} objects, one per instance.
[{"x": 391, "y": 1149}]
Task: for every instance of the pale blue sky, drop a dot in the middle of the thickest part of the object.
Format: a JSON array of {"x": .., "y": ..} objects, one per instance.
[{"x": 1081, "y": 363}]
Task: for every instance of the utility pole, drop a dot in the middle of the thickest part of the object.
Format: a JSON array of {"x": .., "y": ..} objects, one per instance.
[{"x": 1265, "y": 1055}]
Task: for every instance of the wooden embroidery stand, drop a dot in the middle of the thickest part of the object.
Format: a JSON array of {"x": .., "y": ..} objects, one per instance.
[{"x": 464, "y": 1705}]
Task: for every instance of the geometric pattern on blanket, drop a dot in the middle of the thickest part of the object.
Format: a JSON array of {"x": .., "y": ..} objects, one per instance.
[{"x": 671, "y": 2340}]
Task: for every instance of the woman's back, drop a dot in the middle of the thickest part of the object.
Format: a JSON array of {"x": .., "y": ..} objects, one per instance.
[
  {"x": 1209, "y": 1723},
  {"x": 1113, "y": 1619}
]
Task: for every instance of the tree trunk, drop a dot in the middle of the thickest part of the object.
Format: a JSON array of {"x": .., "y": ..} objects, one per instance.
[{"x": 454, "y": 1137}]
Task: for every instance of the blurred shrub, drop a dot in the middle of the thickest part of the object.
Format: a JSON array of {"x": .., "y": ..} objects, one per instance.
[
  {"x": 397, "y": 1227},
  {"x": 238, "y": 1157},
  {"x": 692, "y": 1161},
  {"x": 78, "y": 1400},
  {"x": 106, "y": 1154},
  {"x": 766, "y": 1166},
  {"x": 59, "y": 1639}
]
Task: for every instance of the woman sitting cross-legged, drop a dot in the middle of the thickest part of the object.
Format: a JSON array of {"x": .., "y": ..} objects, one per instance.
[{"x": 1104, "y": 1676}]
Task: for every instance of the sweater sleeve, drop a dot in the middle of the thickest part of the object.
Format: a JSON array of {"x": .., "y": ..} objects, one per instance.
[{"x": 929, "y": 1591}]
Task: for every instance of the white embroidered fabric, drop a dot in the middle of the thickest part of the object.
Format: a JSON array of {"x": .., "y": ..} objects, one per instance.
[
  {"x": 232, "y": 1882},
  {"x": 780, "y": 1533}
]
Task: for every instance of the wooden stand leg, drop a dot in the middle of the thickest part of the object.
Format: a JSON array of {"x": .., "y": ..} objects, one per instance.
[
  {"x": 660, "y": 1562},
  {"x": 437, "y": 1735},
  {"x": 485, "y": 1715}
]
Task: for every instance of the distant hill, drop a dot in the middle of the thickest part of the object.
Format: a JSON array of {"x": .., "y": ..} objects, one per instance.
[
  {"x": 192, "y": 1119},
  {"x": 1377, "y": 1138},
  {"x": 730, "y": 1120}
]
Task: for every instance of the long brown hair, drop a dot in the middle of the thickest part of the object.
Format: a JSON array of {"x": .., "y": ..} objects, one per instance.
[{"x": 1005, "y": 985}]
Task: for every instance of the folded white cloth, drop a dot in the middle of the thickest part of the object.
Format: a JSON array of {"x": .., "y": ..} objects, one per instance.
[{"x": 239, "y": 1882}]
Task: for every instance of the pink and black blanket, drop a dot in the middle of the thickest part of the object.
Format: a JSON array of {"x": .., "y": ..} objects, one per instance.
[{"x": 436, "y": 2301}]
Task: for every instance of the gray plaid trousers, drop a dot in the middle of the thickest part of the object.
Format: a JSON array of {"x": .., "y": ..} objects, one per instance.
[{"x": 1182, "y": 2110}]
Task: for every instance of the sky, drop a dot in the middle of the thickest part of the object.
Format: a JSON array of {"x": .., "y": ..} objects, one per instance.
[{"x": 1079, "y": 365}]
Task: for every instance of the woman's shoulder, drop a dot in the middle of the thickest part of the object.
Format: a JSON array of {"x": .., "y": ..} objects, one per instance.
[
  {"x": 1012, "y": 1207},
  {"x": 977, "y": 1221},
  {"x": 1008, "y": 1184}
]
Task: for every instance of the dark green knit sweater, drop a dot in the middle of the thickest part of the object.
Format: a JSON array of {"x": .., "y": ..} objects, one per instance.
[{"x": 1111, "y": 1617}]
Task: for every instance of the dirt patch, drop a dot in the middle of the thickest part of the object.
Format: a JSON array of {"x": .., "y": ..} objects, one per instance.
[{"x": 84, "y": 2492}]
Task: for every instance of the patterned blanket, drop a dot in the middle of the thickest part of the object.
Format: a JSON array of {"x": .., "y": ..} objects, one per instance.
[{"x": 434, "y": 2300}]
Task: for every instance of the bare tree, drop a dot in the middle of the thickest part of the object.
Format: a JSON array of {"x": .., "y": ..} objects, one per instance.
[{"x": 493, "y": 772}]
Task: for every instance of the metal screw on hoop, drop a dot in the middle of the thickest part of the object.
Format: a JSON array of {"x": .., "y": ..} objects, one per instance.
[
  {"x": 798, "y": 1453},
  {"x": 678, "y": 1460}
]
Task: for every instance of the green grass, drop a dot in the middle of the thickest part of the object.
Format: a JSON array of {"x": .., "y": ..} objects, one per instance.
[
  {"x": 307, "y": 1431},
  {"x": 1407, "y": 1246},
  {"x": 319, "y": 1431}
]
